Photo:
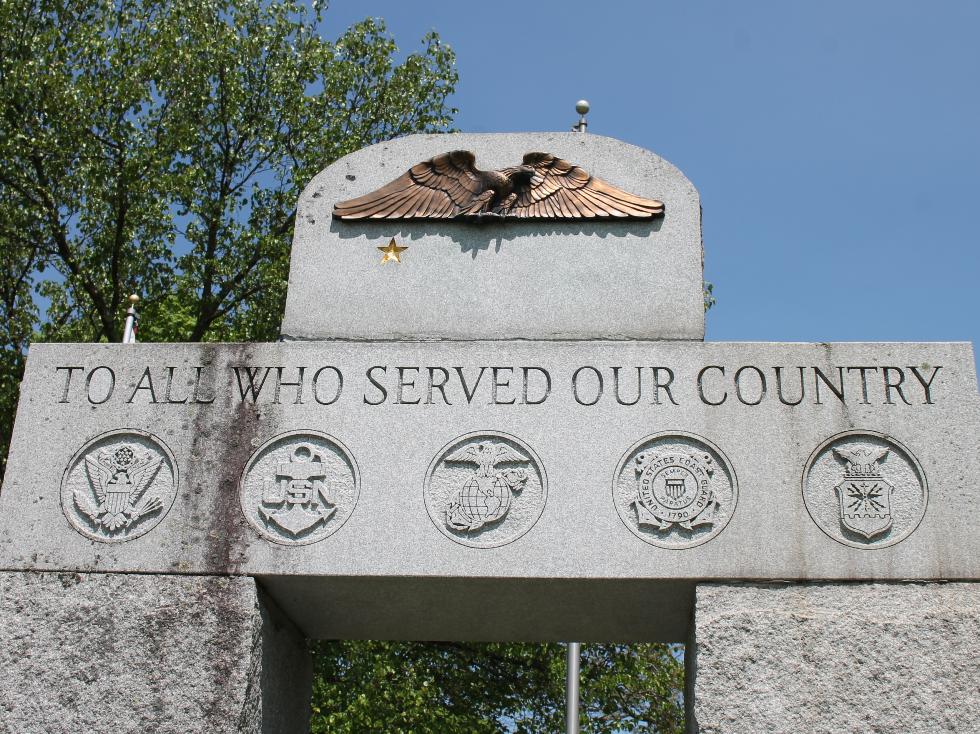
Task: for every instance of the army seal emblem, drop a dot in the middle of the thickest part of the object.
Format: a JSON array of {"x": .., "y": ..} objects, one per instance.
[
  {"x": 485, "y": 489},
  {"x": 299, "y": 488},
  {"x": 675, "y": 490},
  {"x": 119, "y": 486},
  {"x": 865, "y": 489}
]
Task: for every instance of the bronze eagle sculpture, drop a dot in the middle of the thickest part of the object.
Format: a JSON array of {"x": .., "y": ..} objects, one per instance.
[{"x": 450, "y": 186}]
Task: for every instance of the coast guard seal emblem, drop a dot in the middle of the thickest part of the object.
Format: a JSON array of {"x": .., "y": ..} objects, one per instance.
[
  {"x": 299, "y": 487},
  {"x": 675, "y": 490},
  {"x": 485, "y": 489},
  {"x": 865, "y": 489},
  {"x": 119, "y": 486}
]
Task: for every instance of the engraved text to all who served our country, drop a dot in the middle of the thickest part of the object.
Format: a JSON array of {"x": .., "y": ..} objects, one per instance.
[{"x": 585, "y": 385}]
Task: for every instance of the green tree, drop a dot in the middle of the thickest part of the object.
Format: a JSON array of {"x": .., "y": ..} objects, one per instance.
[
  {"x": 159, "y": 147},
  {"x": 486, "y": 688}
]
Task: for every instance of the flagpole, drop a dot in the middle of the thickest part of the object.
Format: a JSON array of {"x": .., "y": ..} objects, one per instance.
[
  {"x": 572, "y": 660},
  {"x": 132, "y": 321}
]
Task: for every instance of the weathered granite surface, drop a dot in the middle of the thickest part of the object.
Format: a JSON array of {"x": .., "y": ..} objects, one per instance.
[
  {"x": 381, "y": 432},
  {"x": 119, "y": 653},
  {"x": 522, "y": 280},
  {"x": 826, "y": 658}
]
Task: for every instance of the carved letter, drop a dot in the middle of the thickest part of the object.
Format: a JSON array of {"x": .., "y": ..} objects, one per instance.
[
  {"x": 819, "y": 376},
  {"x": 498, "y": 384},
  {"x": 88, "y": 384},
  {"x": 336, "y": 394},
  {"x": 926, "y": 385},
  {"x": 665, "y": 386},
  {"x": 70, "y": 370},
  {"x": 280, "y": 384},
  {"x": 738, "y": 385},
  {"x": 196, "y": 398},
  {"x": 598, "y": 376},
  {"x": 403, "y": 383},
  {"x": 253, "y": 390},
  {"x": 147, "y": 378},
  {"x": 440, "y": 386},
  {"x": 469, "y": 393},
  {"x": 779, "y": 386},
  {"x": 897, "y": 386},
  {"x": 617, "y": 392},
  {"x": 547, "y": 385},
  {"x": 168, "y": 393},
  {"x": 724, "y": 395},
  {"x": 384, "y": 393},
  {"x": 863, "y": 371}
]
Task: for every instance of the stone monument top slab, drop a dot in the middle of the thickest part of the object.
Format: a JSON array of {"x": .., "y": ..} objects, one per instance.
[{"x": 500, "y": 277}]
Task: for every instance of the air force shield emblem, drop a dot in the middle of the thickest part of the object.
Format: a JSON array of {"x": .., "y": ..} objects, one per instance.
[{"x": 864, "y": 495}]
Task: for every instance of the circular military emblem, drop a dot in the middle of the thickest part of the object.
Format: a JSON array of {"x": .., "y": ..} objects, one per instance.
[
  {"x": 299, "y": 487},
  {"x": 865, "y": 489},
  {"x": 485, "y": 489},
  {"x": 119, "y": 486},
  {"x": 675, "y": 490}
]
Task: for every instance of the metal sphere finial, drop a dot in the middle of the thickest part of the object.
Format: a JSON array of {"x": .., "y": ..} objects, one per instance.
[
  {"x": 134, "y": 299},
  {"x": 582, "y": 107}
]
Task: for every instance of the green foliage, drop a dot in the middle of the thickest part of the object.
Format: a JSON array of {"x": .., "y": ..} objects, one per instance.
[
  {"x": 17, "y": 317},
  {"x": 159, "y": 147},
  {"x": 435, "y": 688},
  {"x": 709, "y": 296}
]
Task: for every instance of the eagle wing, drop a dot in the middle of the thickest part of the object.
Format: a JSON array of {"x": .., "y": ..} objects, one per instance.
[
  {"x": 561, "y": 190},
  {"x": 142, "y": 476},
  {"x": 468, "y": 454},
  {"x": 870, "y": 456},
  {"x": 438, "y": 188},
  {"x": 505, "y": 454},
  {"x": 98, "y": 476}
]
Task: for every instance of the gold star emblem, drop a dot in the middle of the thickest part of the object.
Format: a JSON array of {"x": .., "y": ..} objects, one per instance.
[{"x": 392, "y": 252}]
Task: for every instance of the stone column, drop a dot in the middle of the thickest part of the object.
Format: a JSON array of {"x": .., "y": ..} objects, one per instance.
[
  {"x": 861, "y": 657},
  {"x": 121, "y": 653}
]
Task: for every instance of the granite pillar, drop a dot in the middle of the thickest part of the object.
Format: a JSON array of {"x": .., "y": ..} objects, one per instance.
[
  {"x": 135, "y": 653},
  {"x": 889, "y": 658}
]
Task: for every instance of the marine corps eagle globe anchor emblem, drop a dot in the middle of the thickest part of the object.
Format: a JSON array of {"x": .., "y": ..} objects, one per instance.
[
  {"x": 487, "y": 494},
  {"x": 485, "y": 489}
]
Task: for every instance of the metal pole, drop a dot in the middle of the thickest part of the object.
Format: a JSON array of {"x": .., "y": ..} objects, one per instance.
[
  {"x": 132, "y": 319},
  {"x": 572, "y": 658},
  {"x": 582, "y": 107}
]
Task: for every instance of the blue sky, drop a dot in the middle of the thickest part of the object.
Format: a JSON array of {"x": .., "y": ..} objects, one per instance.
[{"x": 836, "y": 145}]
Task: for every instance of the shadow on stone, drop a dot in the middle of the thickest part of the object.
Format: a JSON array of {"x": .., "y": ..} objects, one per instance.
[{"x": 474, "y": 238}]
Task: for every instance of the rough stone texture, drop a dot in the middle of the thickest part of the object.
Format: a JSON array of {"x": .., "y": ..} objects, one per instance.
[
  {"x": 520, "y": 280},
  {"x": 120, "y": 653},
  {"x": 579, "y": 539},
  {"x": 813, "y": 658}
]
